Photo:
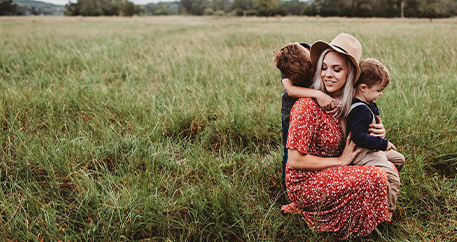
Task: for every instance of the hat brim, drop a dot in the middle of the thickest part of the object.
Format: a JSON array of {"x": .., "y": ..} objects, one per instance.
[{"x": 319, "y": 46}]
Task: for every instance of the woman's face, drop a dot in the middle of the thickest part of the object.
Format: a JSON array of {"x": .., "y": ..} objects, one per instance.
[{"x": 334, "y": 72}]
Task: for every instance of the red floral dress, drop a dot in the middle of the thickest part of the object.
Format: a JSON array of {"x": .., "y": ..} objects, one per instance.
[{"x": 347, "y": 200}]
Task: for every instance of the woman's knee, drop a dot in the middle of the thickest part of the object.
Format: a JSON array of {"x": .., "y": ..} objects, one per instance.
[{"x": 377, "y": 175}]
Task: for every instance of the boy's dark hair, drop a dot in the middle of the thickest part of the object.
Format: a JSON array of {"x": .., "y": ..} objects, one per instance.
[
  {"x": 373, "y": 72},
  {"x": 294, "y": 62}
]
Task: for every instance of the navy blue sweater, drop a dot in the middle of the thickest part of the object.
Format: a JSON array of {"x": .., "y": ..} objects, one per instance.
[{"x": 358, "y": 122}]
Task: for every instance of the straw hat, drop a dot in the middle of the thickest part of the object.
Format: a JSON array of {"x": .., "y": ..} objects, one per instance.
[{"x": 343, "y": 43}]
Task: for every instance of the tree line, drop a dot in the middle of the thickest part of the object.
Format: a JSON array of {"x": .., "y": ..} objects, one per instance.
[
  {"x": 8, "y": 7},
  {"x": 81, "y": 7},
  {"x": 29, "y": 7},
  {"x": 102, "y": 8},
  {"x": 325, "y": 8},
  {"x": 342, "y": 8}
]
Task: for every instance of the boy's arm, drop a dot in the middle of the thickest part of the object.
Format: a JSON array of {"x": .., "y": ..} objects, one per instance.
[
  {"x": 359, "y": 129},
  {"x": 324, "y": 100},
  {"x": 378, "y": 128}
]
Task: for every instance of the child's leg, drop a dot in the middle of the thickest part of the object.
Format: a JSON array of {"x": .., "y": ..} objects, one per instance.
[
  {"x": 360, "y": 159},
  {"x": 285, "y": 132},
  {"x": 396, "y": 158}
]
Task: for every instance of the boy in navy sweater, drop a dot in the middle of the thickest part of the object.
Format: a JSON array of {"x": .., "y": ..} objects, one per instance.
[{"x": 378, "y": 151}]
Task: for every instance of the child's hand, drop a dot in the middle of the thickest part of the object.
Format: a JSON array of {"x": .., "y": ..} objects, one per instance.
[
  {"x": 391, "y": 146},
  {"x": 325, "y": 101},
  {"x": 334, "y": 110}
]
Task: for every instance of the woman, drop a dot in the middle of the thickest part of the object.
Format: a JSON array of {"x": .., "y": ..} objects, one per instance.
[{"x": 331, "y": 195}]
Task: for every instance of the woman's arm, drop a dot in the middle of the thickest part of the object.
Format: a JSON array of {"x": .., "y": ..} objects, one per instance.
[
  {"x": 299, "y": 161},
  {"x": 324, "y": 100}
]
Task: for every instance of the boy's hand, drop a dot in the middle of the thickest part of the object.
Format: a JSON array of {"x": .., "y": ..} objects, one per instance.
[
  {"x": 334, "y": 110},
  {"x": 325, "y": 101},
  {"x": 377, "y": 129},
  {"x": 391, "y": 146}
]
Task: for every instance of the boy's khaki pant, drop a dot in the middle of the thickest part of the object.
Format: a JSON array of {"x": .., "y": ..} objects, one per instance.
[{"x": 384, "y": 160}]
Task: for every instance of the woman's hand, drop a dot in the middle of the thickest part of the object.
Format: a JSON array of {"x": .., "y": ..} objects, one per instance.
[
  {"x": 349, "y": 152},
  {"x": 377, "y": 129}
]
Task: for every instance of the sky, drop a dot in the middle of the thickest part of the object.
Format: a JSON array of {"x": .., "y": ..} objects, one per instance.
[{"x": 138, "y": 2}]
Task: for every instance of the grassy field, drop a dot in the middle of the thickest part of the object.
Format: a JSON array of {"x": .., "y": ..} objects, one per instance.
[{"x": 168, "y": 128}]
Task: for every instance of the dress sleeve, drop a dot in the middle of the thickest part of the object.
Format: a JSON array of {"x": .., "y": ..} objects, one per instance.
[{"x": 302, "y": 125}]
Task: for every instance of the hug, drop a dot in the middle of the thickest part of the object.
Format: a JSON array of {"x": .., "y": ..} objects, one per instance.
[{"x": 339, "y": 170}]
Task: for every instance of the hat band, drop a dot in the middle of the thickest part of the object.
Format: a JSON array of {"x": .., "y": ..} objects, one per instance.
[
  {"x": 305, "y": 45},
  {"x": 340, "y": 48}
]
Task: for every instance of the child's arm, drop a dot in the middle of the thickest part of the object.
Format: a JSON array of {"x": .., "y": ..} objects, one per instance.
[
  {"x": 377, "y": 129},
  {"x": 324, "y": 100},
  {"x": 359, "y": 120}
]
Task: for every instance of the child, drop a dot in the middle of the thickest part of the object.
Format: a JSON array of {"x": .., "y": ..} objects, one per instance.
[
  {"x": 294, "y": 62},
  {"x": 373, "y": 80}
]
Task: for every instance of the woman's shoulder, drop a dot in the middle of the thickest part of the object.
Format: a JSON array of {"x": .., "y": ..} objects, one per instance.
[
  {"x": 307, "y": 103},
  {"x": 306, "y": 106}
]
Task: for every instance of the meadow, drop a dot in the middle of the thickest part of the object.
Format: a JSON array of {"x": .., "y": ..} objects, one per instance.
[{"x": 168, "y": 128}]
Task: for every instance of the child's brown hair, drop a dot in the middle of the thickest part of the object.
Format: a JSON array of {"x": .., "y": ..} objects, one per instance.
[
  {"x": 294, "y": 62},
  {"x": 373, "y": 72}
]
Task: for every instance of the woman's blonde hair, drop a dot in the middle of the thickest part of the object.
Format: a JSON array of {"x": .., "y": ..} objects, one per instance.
[{"x": 345, "y": 99}]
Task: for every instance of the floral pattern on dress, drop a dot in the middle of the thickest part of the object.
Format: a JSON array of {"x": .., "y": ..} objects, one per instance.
[{"x": 347, "y": 200}]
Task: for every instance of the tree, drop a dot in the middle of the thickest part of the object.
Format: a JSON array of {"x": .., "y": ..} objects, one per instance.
[
  {"x": 239, "y": 4},
  {"x": 128, "y": 8},
  {"x": 219, "y": 5},
  {"x": 265, "y": 6},
  {"x": 150, "y": 7},
  {"x": 84, "y": 8},
  {"x": 35, "y": 11},
  {"x": 111, "y": 7},
  {"x": 329, "y": 8},
  {"x": 433, "y": 9},
  {"x": 295, "y": 7},
  {"x": 161, "y": 9},
  {"x": 195, "y": 7},
  {"x": 102, "y": 7},
  {"x": 8, "y": 7}
]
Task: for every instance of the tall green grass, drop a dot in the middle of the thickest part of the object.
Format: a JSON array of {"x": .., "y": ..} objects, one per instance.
[{"x": 168, "y": 128}]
